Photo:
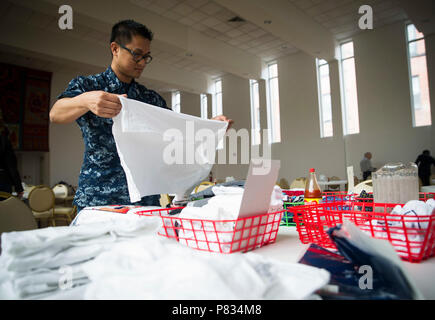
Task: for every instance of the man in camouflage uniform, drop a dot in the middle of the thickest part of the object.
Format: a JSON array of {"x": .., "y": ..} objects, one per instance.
[{"x": 92, "y": 102}]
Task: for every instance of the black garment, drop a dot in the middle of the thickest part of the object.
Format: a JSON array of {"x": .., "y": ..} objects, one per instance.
[
  {"x": 9, "y": 175},
  {"x": 424, "y": 163},
  {"x": 425, "y": 180},
  {"x": 366, "y": 174}
]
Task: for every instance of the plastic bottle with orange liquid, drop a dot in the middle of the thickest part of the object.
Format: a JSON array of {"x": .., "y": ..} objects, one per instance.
[{"x": 313, "y": 193}]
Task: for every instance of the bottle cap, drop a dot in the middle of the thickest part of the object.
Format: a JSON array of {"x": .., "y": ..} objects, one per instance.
[{"x": 312, "y": 170}]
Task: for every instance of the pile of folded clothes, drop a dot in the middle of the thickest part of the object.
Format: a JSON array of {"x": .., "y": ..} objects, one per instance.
[
  {"x": 49, "y": 262},
  {"x": 126, "y": 260},
  {"x": 210, "y": 222},
  {"x": 157, "y": 268}
]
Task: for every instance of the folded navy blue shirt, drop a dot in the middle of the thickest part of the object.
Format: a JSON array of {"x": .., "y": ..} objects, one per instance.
[{"x": 388, "y": 281}]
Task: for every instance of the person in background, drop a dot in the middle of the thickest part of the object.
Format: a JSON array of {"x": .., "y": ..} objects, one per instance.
[
  {"x": 92, "y": 101},
  {"x": 366, "y": 165},
  {"x": 9, "y": 175},
  {"x": 424, "y": 162}
]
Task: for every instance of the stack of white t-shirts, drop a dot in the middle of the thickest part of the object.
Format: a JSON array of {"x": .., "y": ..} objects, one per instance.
[
  {"x": 414, "y": 215},
  {"x": 158, "y": 268},
  {"x": 207, "y": 227},
  {"x": 162, "y": 151},
  {"x": 48, "y": 262},
  {"x": 113, "y": 213}
]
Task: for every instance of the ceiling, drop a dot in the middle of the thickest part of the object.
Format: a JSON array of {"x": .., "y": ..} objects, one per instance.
[
  {"x": 195, "y": 40},
  {"x": 339, "y": 16},
  {"x": 212, "y": 19}
]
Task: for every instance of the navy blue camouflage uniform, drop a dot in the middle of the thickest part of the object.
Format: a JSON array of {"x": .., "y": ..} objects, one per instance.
[{"x": 102, "y": 180}]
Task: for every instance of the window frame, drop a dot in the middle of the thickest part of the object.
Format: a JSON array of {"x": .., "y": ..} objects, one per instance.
[
  {"x": 204, "y": 105},
  {"x": 342, "y": 88},
  {"x": 176, "y": 106},
  {"x": 320, "y": 97},
  {"x": 270, "y": 122},
  {"x": 255, "y": 112},
  {"x": 410, "y": 76},
  {"x": 217, "y": 106}
]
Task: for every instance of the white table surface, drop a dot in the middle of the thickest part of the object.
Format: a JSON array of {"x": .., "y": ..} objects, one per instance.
[{"x": 288, "y": 248}]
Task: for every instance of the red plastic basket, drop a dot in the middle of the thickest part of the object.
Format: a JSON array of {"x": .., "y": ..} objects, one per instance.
[
  {"x": 336, "y": 196},
  {"x": 330, "y": 196},
  {"x": 413, "y": 237},
  {"x": 222, "y": 236}
]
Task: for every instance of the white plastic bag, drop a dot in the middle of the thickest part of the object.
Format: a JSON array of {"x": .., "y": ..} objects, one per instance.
[{"x": 162, "y": 151}]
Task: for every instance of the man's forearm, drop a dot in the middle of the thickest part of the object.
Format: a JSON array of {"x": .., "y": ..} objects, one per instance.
[{"x": 67, "y": 110}]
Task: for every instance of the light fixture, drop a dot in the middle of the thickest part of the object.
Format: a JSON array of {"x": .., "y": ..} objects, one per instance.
[{"x": 236, "y": 19}]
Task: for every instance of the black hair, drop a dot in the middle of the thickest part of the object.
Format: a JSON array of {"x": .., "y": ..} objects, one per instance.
[
  {"x": 426, "y": 152},
  {"x": 123, "y": 31}
]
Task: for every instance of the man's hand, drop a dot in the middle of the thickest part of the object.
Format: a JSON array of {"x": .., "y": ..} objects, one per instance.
[
  {"x": 103, "y": 104},
  {"x": 224, "y": 118}
]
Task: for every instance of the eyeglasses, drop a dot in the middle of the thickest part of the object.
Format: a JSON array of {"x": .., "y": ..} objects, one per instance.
[{"x": 137, "y": 57}]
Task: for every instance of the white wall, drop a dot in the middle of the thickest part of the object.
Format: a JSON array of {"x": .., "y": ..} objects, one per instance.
[
  {"x": 168, "y": 98},
  {"x": 301, "y": 147},
  {"x": 190, "y": 104},
  {"x": 236, "y": 106},
  {"x": 384, "y": 109},
  {"x": 33, "y": 167},
  {"x": 66, "y": 143},
  {"x": 384, "y": 101}
]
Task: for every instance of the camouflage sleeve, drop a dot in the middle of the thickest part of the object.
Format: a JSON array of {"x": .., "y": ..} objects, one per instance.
[{"x": 75, "y": 88}]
